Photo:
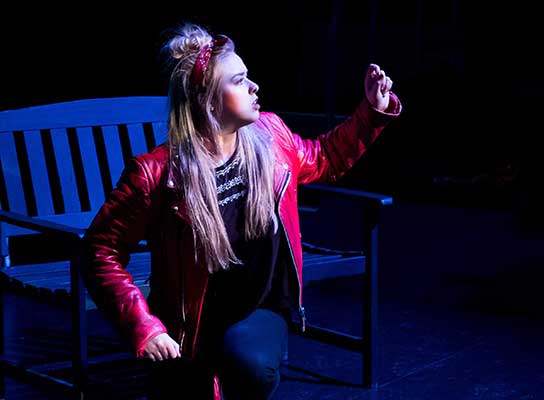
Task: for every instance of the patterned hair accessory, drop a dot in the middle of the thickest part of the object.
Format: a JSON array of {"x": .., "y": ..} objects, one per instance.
[{"x": 203, "y": 59}]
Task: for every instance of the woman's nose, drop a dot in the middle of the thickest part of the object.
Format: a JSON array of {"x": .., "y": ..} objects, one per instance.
[{"x": 253, "y": 87}]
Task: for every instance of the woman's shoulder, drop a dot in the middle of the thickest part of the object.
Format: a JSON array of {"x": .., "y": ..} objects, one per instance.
[
  {"x": 273, "y": 123},
  {"x": 157, "y": 156},
  {"x": 150, "y": 166},
  {"x": 268, "y": 117}
]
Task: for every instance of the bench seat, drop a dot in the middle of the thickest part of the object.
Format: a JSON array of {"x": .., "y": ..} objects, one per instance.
[{"x": 51, "y": 280}]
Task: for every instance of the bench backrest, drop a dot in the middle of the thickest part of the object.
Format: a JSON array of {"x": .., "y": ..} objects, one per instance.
[{"x": 59, "y": 161}]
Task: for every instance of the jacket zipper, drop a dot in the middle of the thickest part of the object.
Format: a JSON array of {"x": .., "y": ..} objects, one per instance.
[
  {"x": 170, "y": 185},
  {"x": 301, "y": 311},
  {"x": 183, "y": 326}
]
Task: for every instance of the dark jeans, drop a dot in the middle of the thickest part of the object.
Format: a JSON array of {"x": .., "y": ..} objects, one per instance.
[{"x": 247, "y": 359}]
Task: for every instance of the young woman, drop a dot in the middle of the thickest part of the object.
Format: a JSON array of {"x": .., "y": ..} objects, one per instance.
[{"x": 217, "y": 204}]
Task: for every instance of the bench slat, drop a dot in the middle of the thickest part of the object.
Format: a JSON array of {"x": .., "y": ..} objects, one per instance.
[
  {"x": 38, "y": 172},
  {"x": 137, "y": 139},
  {"x": 91, "y": 167},
  {"x": 114, "y": 152},
  {"x": 65, "y": 167},
  {"x": 12, "y": 174},
  {"x": 160, "y": 132}
]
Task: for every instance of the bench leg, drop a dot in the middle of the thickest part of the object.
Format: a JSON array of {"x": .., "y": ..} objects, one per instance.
[
  {"x": 79, "y": 332},
  {"x": 2, "y": 346},
  {"x": 4, "y": 250},
  {"x": 370, "y": 313}
]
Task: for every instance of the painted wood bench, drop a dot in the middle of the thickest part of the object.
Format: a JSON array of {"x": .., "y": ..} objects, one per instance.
[{"x": 59, "y": 161}]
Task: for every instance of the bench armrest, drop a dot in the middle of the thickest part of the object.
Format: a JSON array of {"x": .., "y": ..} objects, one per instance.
[
  {"x": 374, "y": 199},
  {"x": 54, "y": 228},
  {"x": 40, "y": 225}
]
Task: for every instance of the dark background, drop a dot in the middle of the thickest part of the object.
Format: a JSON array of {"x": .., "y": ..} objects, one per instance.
[{"x": 456, "y": 142}]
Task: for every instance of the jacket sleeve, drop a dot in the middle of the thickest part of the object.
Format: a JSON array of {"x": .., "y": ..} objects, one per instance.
[
  {"x": 121, "y": 222},
  {"x": 332, "y": 154}
]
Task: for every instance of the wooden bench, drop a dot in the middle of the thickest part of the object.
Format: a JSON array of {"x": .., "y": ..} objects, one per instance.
[{"x": 59, "y": 161}]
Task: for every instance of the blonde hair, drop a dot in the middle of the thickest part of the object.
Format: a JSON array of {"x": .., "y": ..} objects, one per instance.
[{"x": 192, "y": 132}]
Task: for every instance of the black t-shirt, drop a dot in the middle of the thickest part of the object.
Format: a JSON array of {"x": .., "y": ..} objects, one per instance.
[{"x": 261, "y": 279}]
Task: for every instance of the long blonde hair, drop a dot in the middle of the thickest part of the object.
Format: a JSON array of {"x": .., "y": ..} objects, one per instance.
[{"x": 192, "y": 132}]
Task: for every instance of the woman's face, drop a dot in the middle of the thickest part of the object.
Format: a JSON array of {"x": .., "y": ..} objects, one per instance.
[{"x": 240, "y": 105}]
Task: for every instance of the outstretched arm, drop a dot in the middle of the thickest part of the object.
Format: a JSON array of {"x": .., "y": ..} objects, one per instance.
[{"x": 331, "y": 154}]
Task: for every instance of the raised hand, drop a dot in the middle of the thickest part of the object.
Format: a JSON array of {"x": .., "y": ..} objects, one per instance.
[{"x": 377, "y": 87}]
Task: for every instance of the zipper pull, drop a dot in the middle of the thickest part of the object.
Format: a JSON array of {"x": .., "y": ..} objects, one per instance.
[
  {"x": 302, "y": 315},
  {"x": 181, "y": 341},
  {"x": 183, "y": 332}
]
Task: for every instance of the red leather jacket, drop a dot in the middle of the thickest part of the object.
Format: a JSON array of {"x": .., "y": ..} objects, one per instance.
[{"x": 145, "y": 205}]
